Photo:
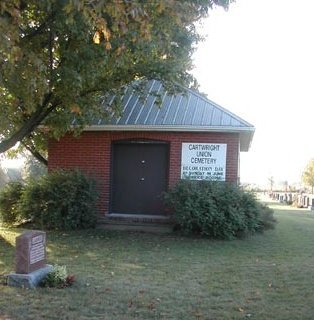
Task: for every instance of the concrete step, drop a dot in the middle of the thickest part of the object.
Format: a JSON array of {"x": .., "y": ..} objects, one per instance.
[{"x": 134, "y": 222}]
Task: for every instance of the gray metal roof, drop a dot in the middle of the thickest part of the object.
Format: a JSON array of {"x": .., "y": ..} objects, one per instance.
[{"x": 187, "y": 111}]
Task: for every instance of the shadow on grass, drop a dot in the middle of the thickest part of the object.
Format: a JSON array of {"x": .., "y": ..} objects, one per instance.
[
  {"x": 5, "y": 244},
  {"x": 6, "y": 258},
  {"x": 132, "y": 275}
]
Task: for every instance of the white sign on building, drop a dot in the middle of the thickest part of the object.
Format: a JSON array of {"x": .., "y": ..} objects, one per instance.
[{"x": 204, "y": 161}]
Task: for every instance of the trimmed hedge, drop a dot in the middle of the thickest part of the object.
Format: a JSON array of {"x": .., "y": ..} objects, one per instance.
[
  {"x": 62, "y": 200},
  {"x": 217, "y": 210}
]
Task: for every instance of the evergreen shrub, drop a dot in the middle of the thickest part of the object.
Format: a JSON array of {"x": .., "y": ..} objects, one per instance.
[
  {"x": 217, "y": 210},
  {"x": 9, "y": 199},
  {"x": 62, "y": 199}
]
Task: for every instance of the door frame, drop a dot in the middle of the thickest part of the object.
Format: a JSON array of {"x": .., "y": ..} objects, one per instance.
[{"x": 140, "y": 142}]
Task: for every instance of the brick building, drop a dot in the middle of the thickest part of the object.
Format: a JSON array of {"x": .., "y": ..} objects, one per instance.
[{"x": 138, "y": 156}]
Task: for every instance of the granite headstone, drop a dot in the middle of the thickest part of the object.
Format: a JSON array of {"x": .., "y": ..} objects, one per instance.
[
  {"x": 30, "y": 251},
  {"x": 30, "y": 260}
]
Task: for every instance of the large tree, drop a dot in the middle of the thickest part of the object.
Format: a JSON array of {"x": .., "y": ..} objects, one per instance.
[
  {"x": 308, "y": 175},
  {"x": 58, "y": 57}
]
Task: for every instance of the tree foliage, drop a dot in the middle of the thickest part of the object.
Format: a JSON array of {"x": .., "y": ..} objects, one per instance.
[
  {"x": 3, "y": 178},
  {"x": 32, "y": 167},
  {"x": 308, "y": 174},
  {"x": 57, "y": 57}
]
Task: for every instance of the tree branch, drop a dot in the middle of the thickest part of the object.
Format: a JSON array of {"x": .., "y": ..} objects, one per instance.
[
  {"x": 29, "y": 125},
  {"x": 36, "y": 154}
]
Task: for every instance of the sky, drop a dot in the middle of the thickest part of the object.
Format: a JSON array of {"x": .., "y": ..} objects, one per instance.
[{"x": 258, "y": 62}]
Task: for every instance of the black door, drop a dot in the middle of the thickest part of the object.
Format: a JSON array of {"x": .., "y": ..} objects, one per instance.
[{"x": 139, "y": 177}]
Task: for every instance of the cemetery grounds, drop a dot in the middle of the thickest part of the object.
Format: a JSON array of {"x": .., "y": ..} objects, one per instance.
[{"x": 129, "y": 275}]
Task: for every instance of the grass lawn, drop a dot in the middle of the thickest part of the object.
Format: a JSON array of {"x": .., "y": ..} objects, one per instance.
[{"x": 124, "y": 275}]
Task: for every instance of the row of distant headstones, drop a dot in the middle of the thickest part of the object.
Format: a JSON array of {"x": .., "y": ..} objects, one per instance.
[{"x": 301, "y": 200}]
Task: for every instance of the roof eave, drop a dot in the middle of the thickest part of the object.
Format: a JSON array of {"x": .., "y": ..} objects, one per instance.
[{"x": 245, "y": 133}]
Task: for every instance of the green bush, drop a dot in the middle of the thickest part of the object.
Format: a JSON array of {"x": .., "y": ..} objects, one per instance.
[
  {"x": 62, "y": 199},
  {"x": 57, "y": 278},
  {"x": 266, "y": 218},
  {"x": 9, "y": 199},
  {"x": 217, "y": 209}
]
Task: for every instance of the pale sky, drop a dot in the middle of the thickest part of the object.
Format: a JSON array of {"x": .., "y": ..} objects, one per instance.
[{"x": 258, "y": 62}]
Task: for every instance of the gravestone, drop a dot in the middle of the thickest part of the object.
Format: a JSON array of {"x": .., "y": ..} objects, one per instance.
[
  {"x": 299, "y": 202},
  {"x": 306, "y": 201},
  {"x": 30, "y": 252},
  {"x": 30, "y": 260},
  {"x": 290, "y": 198}
]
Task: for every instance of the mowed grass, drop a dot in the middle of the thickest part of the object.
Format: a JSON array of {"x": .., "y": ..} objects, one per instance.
[{"x": 128, "y": 275}]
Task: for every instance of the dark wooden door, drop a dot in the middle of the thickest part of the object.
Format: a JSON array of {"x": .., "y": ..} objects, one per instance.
[{"x": 139, "y": 177}]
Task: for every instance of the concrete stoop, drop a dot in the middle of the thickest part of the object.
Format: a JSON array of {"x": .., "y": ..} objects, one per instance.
[{"x": 136, "y": 222}]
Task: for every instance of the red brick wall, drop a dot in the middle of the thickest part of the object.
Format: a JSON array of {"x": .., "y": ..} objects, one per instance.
[{"x": 91, "y": 153}]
